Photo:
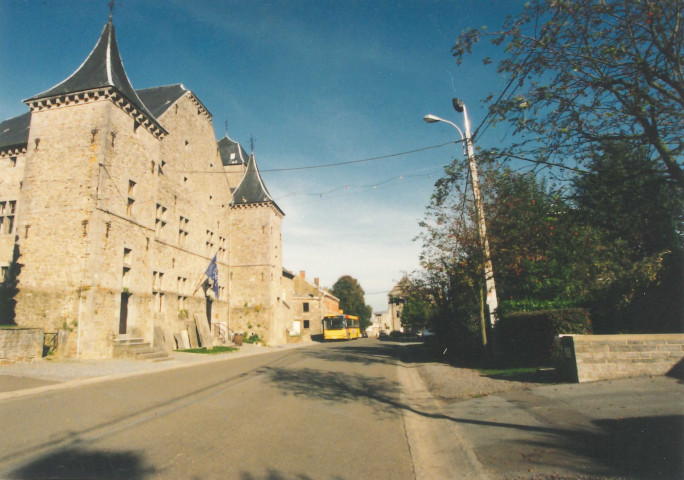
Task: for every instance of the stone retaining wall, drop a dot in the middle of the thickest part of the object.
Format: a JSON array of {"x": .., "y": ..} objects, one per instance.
[
  {"x": 600, "y": 357},
  {"x": 20, "y": 344}
]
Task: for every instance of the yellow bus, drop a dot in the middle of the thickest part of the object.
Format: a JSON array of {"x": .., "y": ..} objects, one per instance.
[{"x": 341, "y": 327}]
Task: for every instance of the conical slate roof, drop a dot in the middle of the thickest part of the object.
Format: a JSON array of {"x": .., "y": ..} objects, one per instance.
[
  {"x": 102, "y": 68},
  {"x": 232, "y": 152},
  {"x": 251, "y": 189}
]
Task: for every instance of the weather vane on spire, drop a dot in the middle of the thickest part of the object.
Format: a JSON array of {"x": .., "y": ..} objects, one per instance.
[
  {"x": 251, "y": 142},
  {"x": 111, "y": 10}
]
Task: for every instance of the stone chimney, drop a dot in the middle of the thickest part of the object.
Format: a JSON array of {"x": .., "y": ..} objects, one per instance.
[
  {"x": 302, "y": 274},
  {"x": 316, "y": 282}
]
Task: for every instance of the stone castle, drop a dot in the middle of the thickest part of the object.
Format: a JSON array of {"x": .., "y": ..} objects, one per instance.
[{"x": 114, "y": 203}]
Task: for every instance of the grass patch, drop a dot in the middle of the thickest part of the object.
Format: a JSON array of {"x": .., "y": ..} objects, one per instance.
[
  {"x": 212, "y": 351},
  {"x": 508, "y": 372}
]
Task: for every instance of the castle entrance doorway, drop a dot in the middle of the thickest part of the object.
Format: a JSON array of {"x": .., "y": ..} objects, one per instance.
[{"x": 123, "y": 314}]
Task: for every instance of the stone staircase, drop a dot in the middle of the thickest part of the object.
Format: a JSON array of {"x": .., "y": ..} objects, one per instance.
[{"x": 138, "y": 349}]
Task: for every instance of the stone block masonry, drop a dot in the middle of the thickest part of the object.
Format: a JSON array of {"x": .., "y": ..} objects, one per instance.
[
  {"x": 20, "y": 345},
  {"x": 602, "y": 357}
]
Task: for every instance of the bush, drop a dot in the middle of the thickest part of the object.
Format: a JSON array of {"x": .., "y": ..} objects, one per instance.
[
  {"x": 253, "y": 338},
  {"x": 528, "y": 338}
]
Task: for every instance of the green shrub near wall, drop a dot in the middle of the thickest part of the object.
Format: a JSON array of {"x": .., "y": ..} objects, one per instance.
[{"x": 528, "y": 338}]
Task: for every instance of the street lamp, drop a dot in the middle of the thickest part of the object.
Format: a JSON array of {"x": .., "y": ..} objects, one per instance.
[{"x": 490, "y": 286}]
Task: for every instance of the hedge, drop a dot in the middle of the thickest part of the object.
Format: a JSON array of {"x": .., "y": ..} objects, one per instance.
[{"x": 528, "y": 338}]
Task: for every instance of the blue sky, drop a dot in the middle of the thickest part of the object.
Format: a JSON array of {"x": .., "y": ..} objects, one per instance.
[{"x": 314, "y": 83}]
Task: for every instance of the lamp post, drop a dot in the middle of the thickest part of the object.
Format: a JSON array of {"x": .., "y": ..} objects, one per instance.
[{"x": 490, "y": 286}]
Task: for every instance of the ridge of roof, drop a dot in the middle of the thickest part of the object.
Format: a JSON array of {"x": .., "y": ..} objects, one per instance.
[
  {"x": 251, "y": 189},
  {"x": 102, "y": 68}
]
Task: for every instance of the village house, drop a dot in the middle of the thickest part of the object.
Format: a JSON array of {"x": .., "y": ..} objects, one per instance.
[
  {"x": 310, "y": 303},
  {"x": 391, "y": 320},
  {"x": 116, "y": 203}
]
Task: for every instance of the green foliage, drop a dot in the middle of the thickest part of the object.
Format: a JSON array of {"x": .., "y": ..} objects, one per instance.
[
  {"x": 352, "y": 302},
  {"x": 416, "y": 314},
  {"x": 253, "y": 338},
  {"x": 631, "y": 199},
  {"x": 528, "y": 338},
  {"x": 211, "y": 351},
  {"x": 507, "y": 307}
]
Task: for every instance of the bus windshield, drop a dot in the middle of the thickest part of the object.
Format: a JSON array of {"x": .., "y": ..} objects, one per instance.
[{"x": 334, "y": 323}]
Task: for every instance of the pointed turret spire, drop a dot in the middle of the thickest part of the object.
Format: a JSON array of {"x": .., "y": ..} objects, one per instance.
[
  {"x": 102, "y": 68},
  {"x": 251, "y": 189}
]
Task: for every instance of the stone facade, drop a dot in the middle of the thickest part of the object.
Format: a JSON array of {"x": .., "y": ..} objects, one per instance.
[{"x": 118, "y": 212}]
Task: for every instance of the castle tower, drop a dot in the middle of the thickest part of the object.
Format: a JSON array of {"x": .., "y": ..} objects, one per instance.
[
  {"x": 86, "y": 181},
  {"x": 256, "y": 259}
]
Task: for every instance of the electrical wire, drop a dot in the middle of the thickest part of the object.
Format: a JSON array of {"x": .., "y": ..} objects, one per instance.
[{"x": 338, "y": 164}]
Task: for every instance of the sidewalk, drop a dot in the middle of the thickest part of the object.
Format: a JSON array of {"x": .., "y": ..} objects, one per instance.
[
  {"x": 20, "y": 379},
  {"x": 473, "y": 427}
]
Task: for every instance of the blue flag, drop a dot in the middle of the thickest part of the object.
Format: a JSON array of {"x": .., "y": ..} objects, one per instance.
[{"x": 212, "y": 273}]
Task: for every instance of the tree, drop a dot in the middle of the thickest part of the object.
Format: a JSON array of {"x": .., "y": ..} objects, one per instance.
[
  {"x": 624, "y": 194},
  {"x": 415, "y": 315},
  {"x": 584, "y": 71},
  {"x": 638, "y": 210},
  {"x": 352, "y": 302}
]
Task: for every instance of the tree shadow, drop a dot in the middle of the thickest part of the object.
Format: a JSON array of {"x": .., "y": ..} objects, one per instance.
[
  {"x": 72, "y": 463},
  {"x": 365, "y": 355},
  {"x": 649, "y": 448},
  {"x": 337, "y": 387},
  {"x": 276, "y": 475},
  {"x": 9, "y": 290}
]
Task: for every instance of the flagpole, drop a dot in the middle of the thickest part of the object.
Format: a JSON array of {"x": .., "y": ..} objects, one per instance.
[
  {"x": 202, "y": 278},
  {"x": 204, "y": 275}
]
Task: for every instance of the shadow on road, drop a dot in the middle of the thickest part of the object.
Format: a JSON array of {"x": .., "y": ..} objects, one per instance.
[
  {"x": 276, "y": 475},
  {"x": 71, "y": 463},
  {"x": 365, "y": 355},
  {"x": 648, "y": 448},
  {"x": 337, "y": 387}
]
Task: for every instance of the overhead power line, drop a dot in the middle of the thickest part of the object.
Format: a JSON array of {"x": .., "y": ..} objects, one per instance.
[
  {"x": 382, "y": 157},
  {"x": 328, "y": 165}
]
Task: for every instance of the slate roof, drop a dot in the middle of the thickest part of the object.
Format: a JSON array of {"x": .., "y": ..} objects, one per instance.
[
  {"x": 232, "y": 152},
  {"x": 251, "y": 189},
  {"x": 102, "y": 68},
  {"x": 159, "y": 99},
  {"x": 14, "y": 132}
]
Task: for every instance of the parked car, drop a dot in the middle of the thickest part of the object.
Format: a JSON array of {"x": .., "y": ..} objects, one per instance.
[{"x": 425, "y": 334}]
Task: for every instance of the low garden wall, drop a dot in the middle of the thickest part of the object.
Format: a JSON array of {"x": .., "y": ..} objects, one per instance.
[
  {"x": 20, "y": 344},
  {"x": 600, "y": 357}
]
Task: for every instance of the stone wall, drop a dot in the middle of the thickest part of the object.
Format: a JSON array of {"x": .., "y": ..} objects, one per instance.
[
  {"x": 601, "y": 357},
  {"x": 20, "y": 344}
]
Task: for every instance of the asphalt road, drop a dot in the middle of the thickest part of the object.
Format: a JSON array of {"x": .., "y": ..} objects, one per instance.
[
  {"x": 324, "y": 411},
  {"x": 338, "y": 411}
]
